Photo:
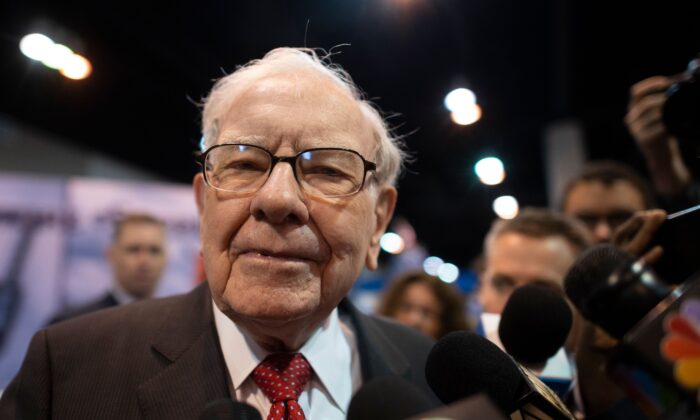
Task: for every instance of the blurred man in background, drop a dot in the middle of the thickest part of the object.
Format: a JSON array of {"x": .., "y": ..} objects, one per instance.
[
  {"x": 537, "y": 246},
  {"x": 137, "y": 256},
  {"x": 604, "y": 195}
]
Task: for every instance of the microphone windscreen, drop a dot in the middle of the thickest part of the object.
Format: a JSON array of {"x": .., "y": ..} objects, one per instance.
[
  {"x": 591, "y": 271},
  {"x": 226, "y": 409},
  {"x": 534, "y": 324},
  {"x": 462, "y": 364},
  {"x": 387, "y": 397}
]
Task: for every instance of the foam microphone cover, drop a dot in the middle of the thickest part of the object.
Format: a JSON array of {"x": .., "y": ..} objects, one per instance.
[
  {"x": 226, "y": 409},
  {"x": 462, "y": 364},
  {"x": 387, "y": 398},
  {"x": 591, "y": 272},
  {"x": 534, "y": 324}
]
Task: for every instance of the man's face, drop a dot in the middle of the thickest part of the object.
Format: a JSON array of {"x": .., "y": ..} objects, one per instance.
[
  {"x": 513, "y": 260},
  {"x": 278, "y": 255},
  {"x": 138, "y": 258},
  {"x": 603, "y": 207}
]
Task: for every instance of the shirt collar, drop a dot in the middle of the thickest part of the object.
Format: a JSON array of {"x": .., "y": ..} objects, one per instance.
[
  {"x": 326, "y": 351},
  {"x": 121, "y": 295}
]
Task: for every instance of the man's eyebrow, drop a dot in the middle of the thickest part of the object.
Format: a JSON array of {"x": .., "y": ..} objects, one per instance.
[{"x": 253, "y": 139}]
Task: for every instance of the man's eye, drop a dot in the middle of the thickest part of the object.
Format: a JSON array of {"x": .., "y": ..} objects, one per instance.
[
  {"x": 245, "y": 165},
  {"x": 326, "y": 171}
]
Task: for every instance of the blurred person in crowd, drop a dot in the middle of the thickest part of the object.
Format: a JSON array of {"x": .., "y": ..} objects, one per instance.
[
  {"x": 537, "y": 246},
  {"x": 670, "y": 175},
  {"x": 612, "y": 200},
  {"x": 137, "y": 257},
  {"x": 425, "y": 303},
  {"x": 604, "y": 195},
  {"x": 296, "y": 190}
]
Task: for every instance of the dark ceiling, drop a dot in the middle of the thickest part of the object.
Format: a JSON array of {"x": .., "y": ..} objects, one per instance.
[{"x": 530, "y": 63}]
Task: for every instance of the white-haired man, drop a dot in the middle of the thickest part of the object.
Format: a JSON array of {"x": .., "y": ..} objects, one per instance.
[{"x": 295, "y": 192}]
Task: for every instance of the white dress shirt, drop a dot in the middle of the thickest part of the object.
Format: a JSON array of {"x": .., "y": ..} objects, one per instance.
[
  {"x": 121, "y": 295},
  {"x": 331, "y": 351}
]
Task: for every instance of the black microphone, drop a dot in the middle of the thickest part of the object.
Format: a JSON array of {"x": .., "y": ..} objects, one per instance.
[
  {"x": 226, "y": 409},
  {"x": 612, "y": 290},
  {"x": 628, "y": 300},
  {"x": 534, "y": 324},
  {"x": 462, "y": 364},
  {"x": 387, "y": 397}
]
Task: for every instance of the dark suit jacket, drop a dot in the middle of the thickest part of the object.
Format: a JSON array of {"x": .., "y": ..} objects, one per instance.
[
  {"x": 161, "y": 359},
  {"x": 107, "y": 301}
]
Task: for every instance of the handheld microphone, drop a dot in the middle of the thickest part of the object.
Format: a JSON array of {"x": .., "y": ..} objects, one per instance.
[
  {"x": 387, "y": 398},
  {"x": 612, "y": 290},
  {"x": 226, "y": 409},
  {"x": 657, "y": 327},
  {"x": 534, "y": 324},
  {"x": 462, "y": 364}
]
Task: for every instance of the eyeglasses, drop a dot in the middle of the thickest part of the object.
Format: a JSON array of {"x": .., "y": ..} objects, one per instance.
[{"x": 325, "y": 172}]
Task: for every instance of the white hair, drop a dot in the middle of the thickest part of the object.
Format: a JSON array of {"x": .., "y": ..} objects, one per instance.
[{"x": 389, "y": 154}]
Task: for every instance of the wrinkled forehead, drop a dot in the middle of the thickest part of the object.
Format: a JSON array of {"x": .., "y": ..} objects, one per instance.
[{"x": 300, "y": 104}]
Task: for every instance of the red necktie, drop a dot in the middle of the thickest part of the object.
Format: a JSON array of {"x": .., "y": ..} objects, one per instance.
[{"x": 282, "y": 377}]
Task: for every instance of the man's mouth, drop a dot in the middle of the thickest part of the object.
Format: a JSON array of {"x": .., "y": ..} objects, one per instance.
[{"x": 278, "y": 255}]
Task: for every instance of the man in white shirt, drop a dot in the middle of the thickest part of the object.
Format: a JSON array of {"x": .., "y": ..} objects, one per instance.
[{"x": 296, "y": 189}]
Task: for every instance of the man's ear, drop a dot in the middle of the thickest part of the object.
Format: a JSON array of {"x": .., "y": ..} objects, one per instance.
[
  {"x": 383, "y": 211},
  {"x": 199, "y": 187}
]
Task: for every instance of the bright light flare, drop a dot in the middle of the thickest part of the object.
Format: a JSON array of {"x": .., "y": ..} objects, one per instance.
[
  {"x": 57, "y": 56},
  {"x": 466, "y": 116},
  {"x": 36, "y": 46},
  {"x": 432, "y": 264},
  {"x": 490, "y": 170},
  {"x": 459, "y": 99},
  {"x": 448, "y": 272},
  {"x": 76, "y": 67},
  {"x": 506, "y": 207},
  {"x": 392, "y": 243}
]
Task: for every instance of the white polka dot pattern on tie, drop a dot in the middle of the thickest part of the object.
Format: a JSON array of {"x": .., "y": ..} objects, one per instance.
[{"x": 282, "y": 377}]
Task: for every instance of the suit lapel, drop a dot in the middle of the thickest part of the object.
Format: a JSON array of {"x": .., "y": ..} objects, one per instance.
[
  {"x": 378, "y": 355},
  {"x": 194, "y": 371}
]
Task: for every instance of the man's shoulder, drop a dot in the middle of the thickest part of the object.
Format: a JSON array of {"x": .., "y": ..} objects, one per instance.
[
  {"x": 380, "y": 334},
  {"x": 106, "y": 301},
  {"x": 140, "y": 319},
  {"x": 396, "y": 331}
]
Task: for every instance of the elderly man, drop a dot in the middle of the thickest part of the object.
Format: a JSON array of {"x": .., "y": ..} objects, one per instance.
[
  {"x": 137, "y": 257},
  {"x": 295, "y": 193}
]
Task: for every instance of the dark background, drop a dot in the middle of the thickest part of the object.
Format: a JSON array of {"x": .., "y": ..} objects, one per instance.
[{"x": 529, "y": 62}]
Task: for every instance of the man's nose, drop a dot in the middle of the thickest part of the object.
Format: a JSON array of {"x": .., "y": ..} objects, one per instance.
[
  {"x": 602, "y": 231},
  {"x": 280, "y": 199}
]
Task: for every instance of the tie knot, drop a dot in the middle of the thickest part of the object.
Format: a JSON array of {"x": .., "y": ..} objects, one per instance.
[{"x": 282, "y": 376}]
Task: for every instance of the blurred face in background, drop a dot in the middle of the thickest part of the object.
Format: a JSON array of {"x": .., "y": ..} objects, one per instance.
[
  {"x": 137, "y": 257},
  {"x": 419, "y": 308},
  {"x": 514, "y": 259},
  {"x": 602, "y": 208}
]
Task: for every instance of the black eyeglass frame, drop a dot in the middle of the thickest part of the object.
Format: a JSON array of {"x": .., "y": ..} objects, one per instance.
[{"x": 368, "y": 166}]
